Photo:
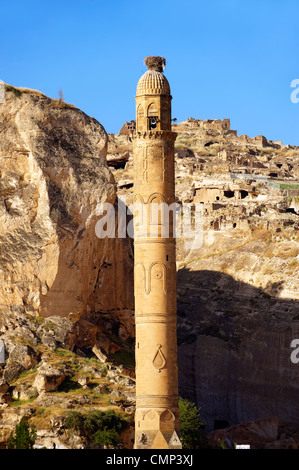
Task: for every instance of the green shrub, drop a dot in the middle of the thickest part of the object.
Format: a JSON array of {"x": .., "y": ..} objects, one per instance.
[
  {"x": 102, "y": 427},
  {"x": 127, "y": 358},
  {"x": 191, "y": 426},
  {"x": 17, "y": 93},
  {"x": 284, "y": 186},
  {"x": 106, "y": 437},
  {"x": 24, "y": 436},
  {"x": 75, "y": 420}
]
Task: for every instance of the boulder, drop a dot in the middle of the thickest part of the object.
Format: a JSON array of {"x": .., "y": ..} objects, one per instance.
[
  {"x": 63, "y": 332},
  {"x": 12, "y": 370},
  {"x": 4, "y": 386},
  {"x": 255, "y": 433},
  {"x": 5, "y": 396},
  {"x": 115, "y": 394},
  {"x": 24, "y": 355},
  {"x": 83, "y": 381},
  {"x": 49, "y": 378},
  {"x": 99, "y": 353},
  {"x": 129, "y": 396},
  {"x": 93, "y": 372},
  {"x": 24, "y": 392},
  {"x": 57, "y": 422},
  {"x": 130, "y": 410},
  {"x": 101, "y": 389}
]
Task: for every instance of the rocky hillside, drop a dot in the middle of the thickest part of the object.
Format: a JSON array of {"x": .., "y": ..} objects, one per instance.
[
  {"x": 45, "y": 380},
  {"x": 61, "y": 287},
  {"x": 238, "y": 298},
  {"x": 66, "y": 296},
  {"x": 53, "y": 177}
]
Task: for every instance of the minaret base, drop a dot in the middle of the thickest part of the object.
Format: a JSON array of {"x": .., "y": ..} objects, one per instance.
[
  {"x": 156, "y": 429},
  {"x": 157, "y": 440}
]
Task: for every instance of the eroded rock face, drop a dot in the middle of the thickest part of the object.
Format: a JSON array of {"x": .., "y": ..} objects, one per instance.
[
  {"x": 238, "y": 306},
  {"x": 24, "y": 355},
  {"x": 267, "y": 433},
  {"x": 53, "y": 175}
]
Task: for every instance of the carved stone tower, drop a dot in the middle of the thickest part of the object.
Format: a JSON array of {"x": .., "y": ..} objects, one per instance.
[{"x": 156, "y": 418}]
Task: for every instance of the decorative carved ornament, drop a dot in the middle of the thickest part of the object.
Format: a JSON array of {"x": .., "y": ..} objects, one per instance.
[{"x": 159, "y": 360}]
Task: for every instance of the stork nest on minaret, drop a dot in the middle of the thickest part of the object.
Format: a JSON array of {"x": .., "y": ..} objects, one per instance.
[{"x": 155, "y": 63}]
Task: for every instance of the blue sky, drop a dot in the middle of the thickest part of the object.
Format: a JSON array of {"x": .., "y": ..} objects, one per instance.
[{"x": 225, "y": 59}]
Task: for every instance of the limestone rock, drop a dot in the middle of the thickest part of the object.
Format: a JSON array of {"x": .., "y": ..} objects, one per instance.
[
  {"x": 112, "y": 374},
  {"x": 48, "y": 439},
  {"x": 11, "y": 371},
  {"x": 83, "y": 381},
  {"x": 24, "y": 355},
  {"x": 24, "y": 393},
  {"x": 238, "y": 298},
  {"x": 10, "y": 417},
  {"x": 2, "y": 352},
  {"x": 17, "y": 330},
  {"x": 53, "y": 176},
  {"x": 60, "y": 332},
  {"x": 130, "y": 396},
  {"x": 99, "y": 353},
  {"x": 93, "y": 371},
  {"x": 255, "y": 433},
  {"x": 49, "y": 378},
  {"x": 101, "y": 389},
  {"x": 21, "y": 357},
  {"x": 130, "y": 410},
  {"x": 45, "y": 399},
  {"x": 4, "y": 386},
  {"x": 57, "y": 422},
  {"x": 115, "y": 394},
  {"x": 127, "y": 382}
]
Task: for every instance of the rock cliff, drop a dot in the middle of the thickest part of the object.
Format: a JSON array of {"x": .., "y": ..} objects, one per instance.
[
  {"x": 62, "y": 288},
  {"x": 53, "y": 177},
  {"x": 238, "y": 299}
]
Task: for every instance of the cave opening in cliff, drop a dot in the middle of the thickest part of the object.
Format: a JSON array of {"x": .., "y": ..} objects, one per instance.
[
  {"x": 207, "y": 144},
  {"x": 229, "y": 194},
  {"x": 291, "y": 210},
  {"x": 243, "y": 193},
  {"x": 118, "y": 165}
]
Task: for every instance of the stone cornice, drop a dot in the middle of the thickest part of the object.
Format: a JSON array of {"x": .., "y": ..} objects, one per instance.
[{"x": 152, "y": 135}]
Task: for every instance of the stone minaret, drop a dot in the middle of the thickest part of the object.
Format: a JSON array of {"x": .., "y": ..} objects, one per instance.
[{"x": 156, "y": 418}]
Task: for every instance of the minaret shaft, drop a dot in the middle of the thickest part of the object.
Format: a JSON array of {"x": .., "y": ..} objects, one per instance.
[{"x": 156, "y": 418}]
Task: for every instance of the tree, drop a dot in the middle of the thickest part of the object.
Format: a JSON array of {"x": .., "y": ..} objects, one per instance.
[
  {"x": 106, "y": 437},
  {"x": 103, "y": 428},
  {"x": 191, "y": 426},
  {"x": 24, "y": 436}
]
